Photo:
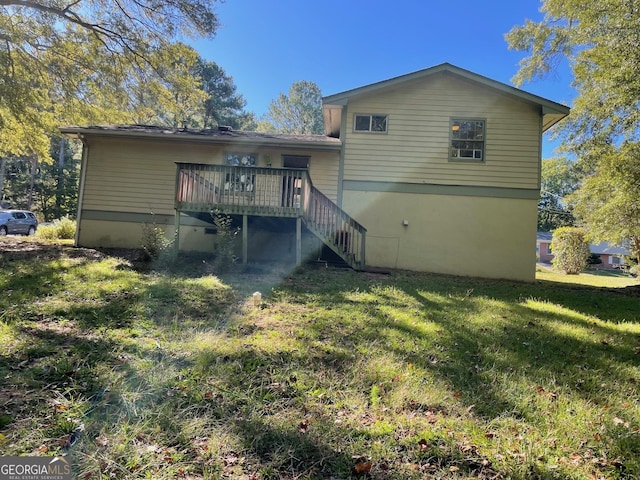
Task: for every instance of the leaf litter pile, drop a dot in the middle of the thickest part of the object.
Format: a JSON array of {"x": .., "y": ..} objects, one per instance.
[{"x": 143, "y": 373}]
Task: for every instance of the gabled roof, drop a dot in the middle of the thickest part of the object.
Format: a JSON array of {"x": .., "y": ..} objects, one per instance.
[
  {"x": 552, "y": 112},
  {"x": 215, "y": 136},
  {"x": 544, "y": 236},
  {"x": 604, "y": 248}
]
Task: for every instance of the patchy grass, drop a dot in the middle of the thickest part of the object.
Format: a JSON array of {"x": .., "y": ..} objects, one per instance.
[
  {"x": 593, "y": 278},
  {"x": 336, "y": 374}
]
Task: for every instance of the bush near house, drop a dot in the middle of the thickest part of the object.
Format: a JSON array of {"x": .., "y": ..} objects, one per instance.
[
  {"x": 154, "y": 242},
  {"x": 62, "y": 229},
  {"x": 571, "y": 250}
]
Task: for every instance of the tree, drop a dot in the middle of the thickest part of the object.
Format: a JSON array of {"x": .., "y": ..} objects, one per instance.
[
  {"x": 60, "y": 62},
  {"x": 223, "y": 105},
  {"x": 609, "y": 200},
  {"x": 570, "y": 250},
  {"x": 299, "y": 112},
  {"x": 558, "y": 179},
  {"x": 601, "y": 42},
  {"x": 170, "y": 94},
  {"x": 48, "y": 188}
]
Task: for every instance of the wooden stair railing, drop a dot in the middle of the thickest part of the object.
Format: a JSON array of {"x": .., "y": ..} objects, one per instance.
[
  {"x": 339, "y": 231},
  {"x": 271, "y": 192}
]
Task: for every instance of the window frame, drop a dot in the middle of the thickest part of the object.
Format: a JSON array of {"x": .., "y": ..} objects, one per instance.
[
  {"x": 452, "y": 121},
  {"x": 228, "y": 155},
  {"x": 239, "y": 182},
  {"x": 371, "y": 116}
]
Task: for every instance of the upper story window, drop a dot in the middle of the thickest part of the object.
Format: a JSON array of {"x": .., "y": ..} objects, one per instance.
[
  {"x": 370, "y": 123},
  {"x": 467, "y": 139}
]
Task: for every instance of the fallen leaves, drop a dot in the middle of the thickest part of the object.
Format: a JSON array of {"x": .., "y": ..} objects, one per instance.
[
  {"x": 542, "y": 391},
  {"x": 618, "y": 421},
  {"x": 363, "y": 465}
]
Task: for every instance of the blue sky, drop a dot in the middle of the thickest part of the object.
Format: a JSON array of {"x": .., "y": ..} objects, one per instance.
[{"x": 343, "y": 44}]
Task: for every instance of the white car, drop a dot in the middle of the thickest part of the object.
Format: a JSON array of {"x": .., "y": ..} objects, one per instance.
[{"x": 21, "y": 222}]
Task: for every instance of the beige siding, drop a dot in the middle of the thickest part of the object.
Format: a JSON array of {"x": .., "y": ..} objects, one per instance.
[
  {"x": 452, "y": 234},
  {"x": 136, "y": 175},
  {"x": 139, "y": 175},
  {"x": 323, "y": 169},
  {"x": 416, "y": 147}
]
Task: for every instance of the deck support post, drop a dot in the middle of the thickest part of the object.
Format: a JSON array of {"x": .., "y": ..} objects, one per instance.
[
  {"x": 176, "y": 234},
  {"x": 245, "y": 239},
  {"x": 299, "y": 241}
]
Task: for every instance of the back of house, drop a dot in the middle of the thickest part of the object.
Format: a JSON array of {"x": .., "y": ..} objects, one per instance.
[
  {"x": 442, "y": 166},
  {"x": 438, "y": 171}
]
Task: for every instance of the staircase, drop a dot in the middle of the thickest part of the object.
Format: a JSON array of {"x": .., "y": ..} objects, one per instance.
[
  {"x": 341, "y": 233},
  {"x": 277, "y": 192}
]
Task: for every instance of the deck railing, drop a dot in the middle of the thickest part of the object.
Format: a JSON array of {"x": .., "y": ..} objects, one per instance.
[
  {"x": 246, "y": 190},
  {"x": 281, "y": 192}
]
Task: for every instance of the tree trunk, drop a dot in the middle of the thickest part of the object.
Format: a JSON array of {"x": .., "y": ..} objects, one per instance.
[
  {"x": 34, "y": 171},
  {"x": 60, "y": 184},
  {"x": 635, "y": 247},
  {"x": 3, "y": 163}
]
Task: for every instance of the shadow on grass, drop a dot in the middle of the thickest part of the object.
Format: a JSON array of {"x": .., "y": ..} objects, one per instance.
[
  {"x": 261, "y": 398},
  {"x": 549, "y": 354}
]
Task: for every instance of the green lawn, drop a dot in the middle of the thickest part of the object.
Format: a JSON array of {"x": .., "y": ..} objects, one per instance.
[
  {"x": 335, "y": 374},
  {"x": 594, "y": 278}
]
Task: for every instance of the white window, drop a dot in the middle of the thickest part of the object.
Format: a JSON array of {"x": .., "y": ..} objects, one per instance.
[
  {"x": 240, "y": 180},
  {"x": 467, "y": 139},
  {"x": 370, "y": 123},
  {"x": 241, "y": 159}
]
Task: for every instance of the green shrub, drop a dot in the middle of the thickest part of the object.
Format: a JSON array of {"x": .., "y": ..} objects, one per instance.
[
  {"x": 224, "y": 249},
  {"x": 594, "y": 259},
  {"x": 63, "y": 229},
  {"x": 155, "y": 244},
  {"x": 47, "y": 232},
  {"x": 570, "y": 250},
  {"x": 66, "y": 228}
]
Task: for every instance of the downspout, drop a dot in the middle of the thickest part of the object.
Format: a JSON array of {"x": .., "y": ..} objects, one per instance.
[{"x": 83, "y": 176}]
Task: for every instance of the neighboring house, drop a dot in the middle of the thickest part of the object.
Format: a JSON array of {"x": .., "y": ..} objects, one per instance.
[
  {"x": 610, "y": 256},
  {"x": 543, "y": 247},
  {"x": 437, "y": 170}
]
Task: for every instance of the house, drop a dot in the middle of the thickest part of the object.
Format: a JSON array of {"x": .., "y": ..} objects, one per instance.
[
  {"x": 610, "y": 256},
  {"x": 437, "y": 170},
  {"x": 543, "y": 247}
]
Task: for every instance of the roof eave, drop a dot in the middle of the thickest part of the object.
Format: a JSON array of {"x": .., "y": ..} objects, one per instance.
[
  {"x": 552, "y": 111},
  {"x": 81, "y": 132},
  {"x": 552, "y": 116}
]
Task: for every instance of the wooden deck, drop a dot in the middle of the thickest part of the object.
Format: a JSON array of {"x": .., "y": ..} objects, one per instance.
[{"x": 276, "y": 192}]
